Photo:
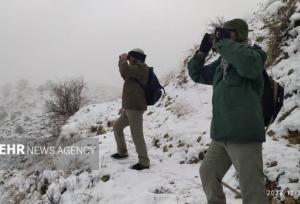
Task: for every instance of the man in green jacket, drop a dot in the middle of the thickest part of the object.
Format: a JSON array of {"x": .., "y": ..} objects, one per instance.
[
  {"x": 135, "y": 74},
  {"x": 237, "y": 126}
]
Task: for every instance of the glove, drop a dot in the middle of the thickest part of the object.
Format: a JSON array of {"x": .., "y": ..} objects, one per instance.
[
  {"x": 222, "y": 33},
  {"x": 206, "y": 43}
]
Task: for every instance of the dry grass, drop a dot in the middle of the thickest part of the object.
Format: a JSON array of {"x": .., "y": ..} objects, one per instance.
[
  {"x": 293, "y": 137},
  {"x": 278, "y": 25},
  {"x": 101, "y": 130}
]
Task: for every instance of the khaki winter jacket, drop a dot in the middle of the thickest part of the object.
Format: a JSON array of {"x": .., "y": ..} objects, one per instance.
[{"x": 133, "y": 96}]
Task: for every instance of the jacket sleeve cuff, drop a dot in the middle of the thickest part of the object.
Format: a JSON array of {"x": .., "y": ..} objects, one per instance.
[
  {"x": 201, "y": 55},
  {"x": 222, "y": 43}
]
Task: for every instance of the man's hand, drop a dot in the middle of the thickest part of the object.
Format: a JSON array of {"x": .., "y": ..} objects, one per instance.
[
  {"x": 123, "y": 57},
  {"x": 206, "y": 43}
]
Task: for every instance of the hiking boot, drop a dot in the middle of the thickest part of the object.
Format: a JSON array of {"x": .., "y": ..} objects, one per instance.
[
  {"x": 119, "y": 156},
  {"x": 139, "y": 167}
]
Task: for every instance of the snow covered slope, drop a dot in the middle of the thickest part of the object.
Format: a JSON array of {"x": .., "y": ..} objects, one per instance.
[
  {"x": 21, "y": 111},
  {"x": 177, "y": 136},
  {"x": 282, "y": 149}
]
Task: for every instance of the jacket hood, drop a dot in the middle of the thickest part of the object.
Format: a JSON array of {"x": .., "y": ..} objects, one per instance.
[{"x": 241, "y": 28}]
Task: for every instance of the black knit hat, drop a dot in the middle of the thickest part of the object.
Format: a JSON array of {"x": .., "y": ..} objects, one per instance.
[{"x": 137, "y": 54}]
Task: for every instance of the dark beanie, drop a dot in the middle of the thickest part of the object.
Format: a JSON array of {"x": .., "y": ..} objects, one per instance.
[
  {"x": 240, "y": 26},
  {"x": 137, "y": 54}
]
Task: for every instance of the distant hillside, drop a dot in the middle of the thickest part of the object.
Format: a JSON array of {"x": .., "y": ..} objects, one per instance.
[{"x": 22, "y": 110}]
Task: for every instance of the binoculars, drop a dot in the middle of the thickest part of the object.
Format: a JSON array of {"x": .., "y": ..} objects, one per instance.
[{"x": 221, "y": 33}]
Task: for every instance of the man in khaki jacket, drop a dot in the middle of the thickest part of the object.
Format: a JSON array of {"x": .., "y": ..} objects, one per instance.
[{"x": 135, "y": 73}]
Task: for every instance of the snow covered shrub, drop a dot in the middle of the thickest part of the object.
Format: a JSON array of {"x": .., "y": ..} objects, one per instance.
[
  {"x": 181, "y": 108},
  {"x": 278, "y": 25},
  {"x": 67, "y": 98}
]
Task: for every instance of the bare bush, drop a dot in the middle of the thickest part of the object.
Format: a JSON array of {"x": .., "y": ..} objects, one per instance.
[
  {"x": 181, "y": 108},
  {"x": 67, "y": 98}
]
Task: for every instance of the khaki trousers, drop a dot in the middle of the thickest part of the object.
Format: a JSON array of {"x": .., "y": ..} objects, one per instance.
[
  {"x": 133, "y": 119},
  {"x": 247, "y": 160}
]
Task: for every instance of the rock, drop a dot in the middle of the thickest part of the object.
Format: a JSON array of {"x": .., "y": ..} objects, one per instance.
[
  {"x": 201, "y": 156},
  {"x": 93, "y": 129},
  {"x": 293, "y": 180},
  {"x": 180, "y": 143},
  {"x": 63, "y": 190},
  {"x": 156, "y": 143},
  {"x": 150, "y": 113},
  {"x": 105, "y": 178},
  {"x": 297, "y": 23},
  {"x": 272, "y": 164},
  {"x": 199, "y": 139}
]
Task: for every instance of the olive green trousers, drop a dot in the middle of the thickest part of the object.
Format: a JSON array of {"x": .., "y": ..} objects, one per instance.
[
  {"x": 133, "y": 119},
  {"x": 247, "y": 161}
]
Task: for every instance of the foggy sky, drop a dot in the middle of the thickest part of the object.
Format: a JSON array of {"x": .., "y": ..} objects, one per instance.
[{"x": 51, "y": 39}]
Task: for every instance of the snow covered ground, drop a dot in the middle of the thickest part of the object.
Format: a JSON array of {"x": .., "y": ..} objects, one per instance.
[{"x": 177, "y": 136}]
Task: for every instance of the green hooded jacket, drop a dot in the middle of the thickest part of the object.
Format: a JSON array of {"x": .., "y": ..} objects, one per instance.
[{"x": 237, "y": 82}]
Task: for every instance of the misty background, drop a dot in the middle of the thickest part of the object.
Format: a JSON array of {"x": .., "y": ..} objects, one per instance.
[{"x": 54, "y": 39}]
